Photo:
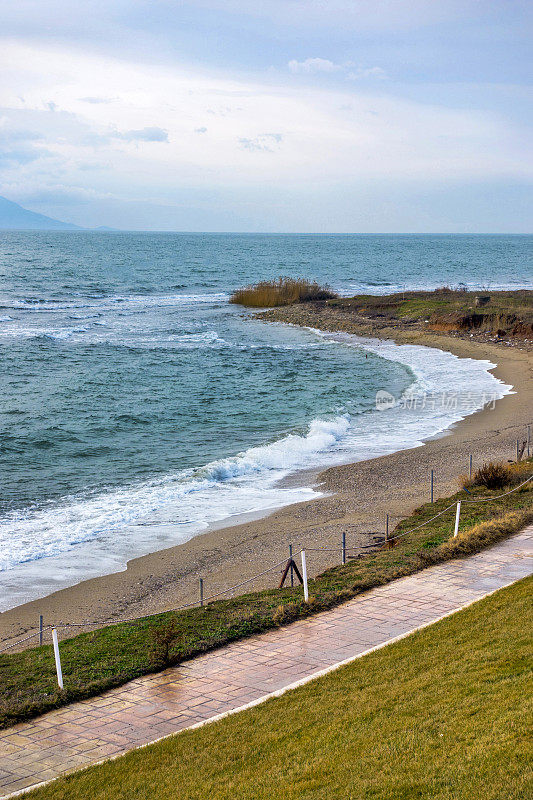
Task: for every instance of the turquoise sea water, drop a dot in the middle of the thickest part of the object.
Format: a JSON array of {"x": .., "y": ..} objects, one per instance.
[{"x": 138, "y": 406}]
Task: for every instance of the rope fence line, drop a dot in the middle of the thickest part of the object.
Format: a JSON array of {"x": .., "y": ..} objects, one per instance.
[
  {"x": 63, "y": 625},
  {"x": 343, "y": 549},
  {"x": 417, "y": 527},
  {"x": 514, "y": 489},
  {"x": 20, "y": 641}
]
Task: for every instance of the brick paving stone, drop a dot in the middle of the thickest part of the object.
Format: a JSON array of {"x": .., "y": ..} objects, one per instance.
[{"x": 226, "y": 679}]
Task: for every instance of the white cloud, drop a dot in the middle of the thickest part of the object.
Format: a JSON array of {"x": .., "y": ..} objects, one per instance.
[
  {"x": 150, "y": 134},
  {"x": 97, "y": 100},
  {"x": 311, "y": 65},
  {"x": 367, "y": 72},
  {"x": 316, "y": 65},
  {"x": 264, "y": 141}
]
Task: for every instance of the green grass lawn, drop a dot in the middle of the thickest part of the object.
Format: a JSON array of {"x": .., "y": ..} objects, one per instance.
[
  {"x": 442, "y": 714},
  {"x": 110, "y": 656}
]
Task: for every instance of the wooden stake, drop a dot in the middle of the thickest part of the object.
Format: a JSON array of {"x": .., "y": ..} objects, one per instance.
[
  {"x": 292, "y": 568},
  {"x": 290, "y": 565}
]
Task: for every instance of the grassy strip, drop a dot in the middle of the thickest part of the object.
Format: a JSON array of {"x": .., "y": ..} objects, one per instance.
[
  {"x": 448, "y": 309},
  {"x": 442, "y": 714},
  {"x": 113, "y": 655}
]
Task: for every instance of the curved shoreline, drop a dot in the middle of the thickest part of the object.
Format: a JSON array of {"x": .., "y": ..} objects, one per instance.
[
  {"x": 264, "y": 477},
  {"x": 356, "y": 498}
]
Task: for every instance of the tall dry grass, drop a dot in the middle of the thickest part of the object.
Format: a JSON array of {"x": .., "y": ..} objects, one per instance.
[
  {"x": 281, "y": 292},
  {"x": 474, "y": 539},
  {"x": 497, "y": 475}
]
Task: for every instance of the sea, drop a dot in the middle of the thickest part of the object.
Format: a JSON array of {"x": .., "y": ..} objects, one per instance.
[{"x": 139, "y": 407}]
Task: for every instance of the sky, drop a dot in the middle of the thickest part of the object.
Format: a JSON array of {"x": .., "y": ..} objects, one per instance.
[{"x": 281, "y": 115}]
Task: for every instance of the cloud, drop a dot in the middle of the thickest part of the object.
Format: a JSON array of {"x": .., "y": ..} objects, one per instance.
[
  {"x": 8, "y": 134},
  {"x": 143, "y": 135},
  {"x": 277, "y": 139},
  {"x": 56, "y": 193},
  {"x": 311, "y": 65},
  {"x": 21, "y": 155},
  {"x": 367, "y": 72},
  {"x": 264, "y": 142},
  {"x": 16, "y": 145},
  {"x": 97, "y": 100}
]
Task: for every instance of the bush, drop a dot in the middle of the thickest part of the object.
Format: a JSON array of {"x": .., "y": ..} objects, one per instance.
[
  {"x": 285, "y": 613},
  {"x": 493, "y": 476},
  {"x": 496, "y": 476},
  {"x": 283, "y": 292},
  {"x": 163, "y": 638},
  {"x": 466, "y": 482}
]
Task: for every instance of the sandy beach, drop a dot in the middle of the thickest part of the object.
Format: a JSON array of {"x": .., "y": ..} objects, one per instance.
[{"x": 356, "y": 499}]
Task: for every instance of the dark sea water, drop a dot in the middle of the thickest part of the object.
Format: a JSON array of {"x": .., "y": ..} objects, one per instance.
[{"x": 138, "y": 406}]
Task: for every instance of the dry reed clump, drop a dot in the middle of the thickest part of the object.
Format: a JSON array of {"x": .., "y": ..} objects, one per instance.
[
  {"x": 285, "y": 613},
  {"x": 281, "y": 292},
  {"x": 491, "y": 475},
  {"x": 497, "y": 475}
]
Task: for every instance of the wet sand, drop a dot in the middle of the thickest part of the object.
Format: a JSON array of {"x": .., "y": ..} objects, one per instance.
[{"x": 356, "y": 499}]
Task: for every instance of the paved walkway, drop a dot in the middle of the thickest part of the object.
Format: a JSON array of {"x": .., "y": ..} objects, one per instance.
[{"x": 227, "y": 679}]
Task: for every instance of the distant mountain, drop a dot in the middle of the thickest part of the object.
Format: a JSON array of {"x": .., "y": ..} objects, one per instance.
[{"x": 14, "y": 217}]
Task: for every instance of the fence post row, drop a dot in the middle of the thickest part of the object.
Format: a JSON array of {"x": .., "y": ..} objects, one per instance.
[
  {"x": 57, "y": 659},
  {"x": 291, "y": 564}
]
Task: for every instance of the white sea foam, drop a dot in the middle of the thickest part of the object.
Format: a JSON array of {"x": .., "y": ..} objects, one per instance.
[
  {"x": 43, "y": 333},
  {"x": 39, "y": 305},
  {"x": 86, "y": 536},
  {"x": 194, "y": 340}
]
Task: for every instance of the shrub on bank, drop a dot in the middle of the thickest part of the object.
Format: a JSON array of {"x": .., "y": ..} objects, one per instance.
[
  {"x": 281, "y": 292},
  {"x": 495, "y": 475}
]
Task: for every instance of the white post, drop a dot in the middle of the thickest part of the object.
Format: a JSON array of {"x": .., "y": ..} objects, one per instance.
[
  {"x": 304, "y": 575},
  {"x": 57, "y": 658},
  {"x": 457, "y": 515}
]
